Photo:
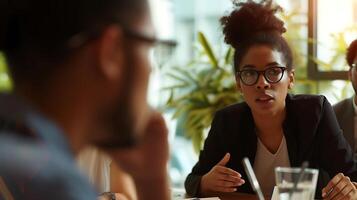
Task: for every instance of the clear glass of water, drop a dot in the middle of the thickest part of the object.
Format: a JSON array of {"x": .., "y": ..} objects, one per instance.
[{"x": 293, "y": 187}]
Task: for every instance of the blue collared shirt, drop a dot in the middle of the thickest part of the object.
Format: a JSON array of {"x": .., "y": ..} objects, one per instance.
[{"x": 35, "y": 159}]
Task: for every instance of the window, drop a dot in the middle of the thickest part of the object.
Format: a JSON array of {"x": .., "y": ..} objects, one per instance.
[{"x": 332, "y": 25}]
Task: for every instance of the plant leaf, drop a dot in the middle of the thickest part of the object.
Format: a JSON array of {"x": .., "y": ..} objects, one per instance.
[
  {"x": 207, "y": 49},
  {"x": 228, "y": 57}
]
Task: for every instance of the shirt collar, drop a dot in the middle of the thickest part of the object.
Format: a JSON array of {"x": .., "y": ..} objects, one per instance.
[{"x": 15, "y": 108}]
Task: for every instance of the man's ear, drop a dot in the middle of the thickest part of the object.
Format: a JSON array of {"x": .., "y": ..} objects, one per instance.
[
  {"x": 109, "y": 53},
  {"x": 350, "y": 74},
  {"x": 291, "y": 78}
]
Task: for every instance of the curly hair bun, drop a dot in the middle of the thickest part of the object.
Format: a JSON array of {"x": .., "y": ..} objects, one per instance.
[{"x": 249, "y": 18}]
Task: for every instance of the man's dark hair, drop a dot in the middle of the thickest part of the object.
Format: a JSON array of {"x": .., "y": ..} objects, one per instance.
[
  {"x": 251, "y": 24},
  {"x": 351, "y": 52},
  {"x": 38, "y": 33}
]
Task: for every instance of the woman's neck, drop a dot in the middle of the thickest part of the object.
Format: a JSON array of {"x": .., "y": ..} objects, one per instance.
[
  {"x": 269, "y": 129},
  {"x": 269, "y": 122}
]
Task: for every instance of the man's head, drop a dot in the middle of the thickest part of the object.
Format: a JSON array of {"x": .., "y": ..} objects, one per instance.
[
  {"x": 351, "y": 58},
  {"x": 92, "y": 53},
  {"x": 351, "y": 55}
]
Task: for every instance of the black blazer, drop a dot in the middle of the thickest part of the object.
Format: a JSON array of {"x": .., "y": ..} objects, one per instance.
[
  {"x": 345, "y": 114},
  {"x": 311, "y": 130}
]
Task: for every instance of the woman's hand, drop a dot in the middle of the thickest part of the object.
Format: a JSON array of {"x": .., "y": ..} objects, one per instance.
[
  {"x": 221, "y": 178},
  {"x": 340, "y": 188}
]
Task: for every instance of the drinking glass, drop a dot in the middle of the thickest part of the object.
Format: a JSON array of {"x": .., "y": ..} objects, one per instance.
[{"x": 294, "y": 185}]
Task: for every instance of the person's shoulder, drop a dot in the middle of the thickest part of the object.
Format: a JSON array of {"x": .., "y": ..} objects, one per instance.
[
  {"x": 234, "y": 108},
  {"x": 234, "y": 114},
  {"x": 306, "y": 98},
  {"x": 306, "y": 112},
  {"x": 343, "y": 104},
  {"x": 14, "y": 146},
  {"x": 46, "y": 171},
  {"x": 307, "y": 107},
  {"x": 306, "y": 101}
]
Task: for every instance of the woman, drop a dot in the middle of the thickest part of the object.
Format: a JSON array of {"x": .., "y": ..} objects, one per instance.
[{"x": 272, "y": 128}]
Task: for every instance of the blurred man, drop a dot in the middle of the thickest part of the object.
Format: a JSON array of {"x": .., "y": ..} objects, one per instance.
[
  {"x": 346, "y": 109},
  {"x": 80, "y": 73}
]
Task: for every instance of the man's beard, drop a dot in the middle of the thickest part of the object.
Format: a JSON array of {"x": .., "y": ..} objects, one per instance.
[
  {"x": 120, "y": 131},
  {"x": 119, "y": 119}
]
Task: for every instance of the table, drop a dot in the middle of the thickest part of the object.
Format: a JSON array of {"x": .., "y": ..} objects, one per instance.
[
  {"x": 180, "y": 193},
  {"x": 237, "y": 196}
]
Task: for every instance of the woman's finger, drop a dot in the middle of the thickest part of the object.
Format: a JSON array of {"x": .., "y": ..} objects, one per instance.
[
  {"x": 330, "y": 187},
  {"x": 344, "y": 181},
  {"x": 344, "y": 192},
  {"x": 234, "y": 179},
  {"x": 226, "y": 170}
]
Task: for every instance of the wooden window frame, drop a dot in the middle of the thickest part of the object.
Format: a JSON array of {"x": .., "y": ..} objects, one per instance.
[{"x": 313, "y": 70}]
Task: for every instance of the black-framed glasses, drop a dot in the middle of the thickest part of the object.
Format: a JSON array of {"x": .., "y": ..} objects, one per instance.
[
  {"x": 272, "y": 75},
  {"x": 81, "y": 38},
  {"x": 146, "y": 38},
  {"x": 161, "y": 51}
]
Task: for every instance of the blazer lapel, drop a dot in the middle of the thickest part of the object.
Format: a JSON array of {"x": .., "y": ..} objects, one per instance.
[
  {"x": 289, "y": 127},
  {"x": 247, "y": 140},
  {"x": 293, "y": 148},
  {"x": 250, "y": 137}
]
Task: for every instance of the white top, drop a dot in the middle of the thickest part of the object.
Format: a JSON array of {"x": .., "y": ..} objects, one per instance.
[
  {"x": 96, "y": 165},
  {"x": 265, "y": 163}
]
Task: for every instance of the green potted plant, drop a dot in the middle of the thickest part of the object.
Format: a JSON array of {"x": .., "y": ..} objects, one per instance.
[
  {"x": 5, "y": 82},
  {"x": 204, "y": 86}
]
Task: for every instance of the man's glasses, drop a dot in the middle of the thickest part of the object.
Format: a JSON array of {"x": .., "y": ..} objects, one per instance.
[
  {"x": 161, "y": 51},
  {"x": 250, "y": 77}
]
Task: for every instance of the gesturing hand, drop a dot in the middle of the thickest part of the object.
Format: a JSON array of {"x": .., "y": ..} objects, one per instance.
[{"x": 221, "y": 178}]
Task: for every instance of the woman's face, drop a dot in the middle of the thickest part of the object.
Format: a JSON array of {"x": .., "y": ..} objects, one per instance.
[{"x": 263, "y": 96}]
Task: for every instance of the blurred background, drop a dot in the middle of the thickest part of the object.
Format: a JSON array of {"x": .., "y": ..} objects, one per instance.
[{"x": 190, "y": 82}]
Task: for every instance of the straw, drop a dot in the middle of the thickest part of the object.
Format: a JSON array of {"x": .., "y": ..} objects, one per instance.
[{"x": 304, "y": 165}]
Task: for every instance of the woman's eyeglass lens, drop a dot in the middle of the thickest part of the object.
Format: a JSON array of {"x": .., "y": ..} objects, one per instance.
[{"x": 272, "y": 75}]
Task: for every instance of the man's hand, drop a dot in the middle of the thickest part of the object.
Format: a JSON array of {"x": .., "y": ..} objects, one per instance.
[
  {"x": 147, "y": 162},
  {"x": 149, "y": 158}
]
